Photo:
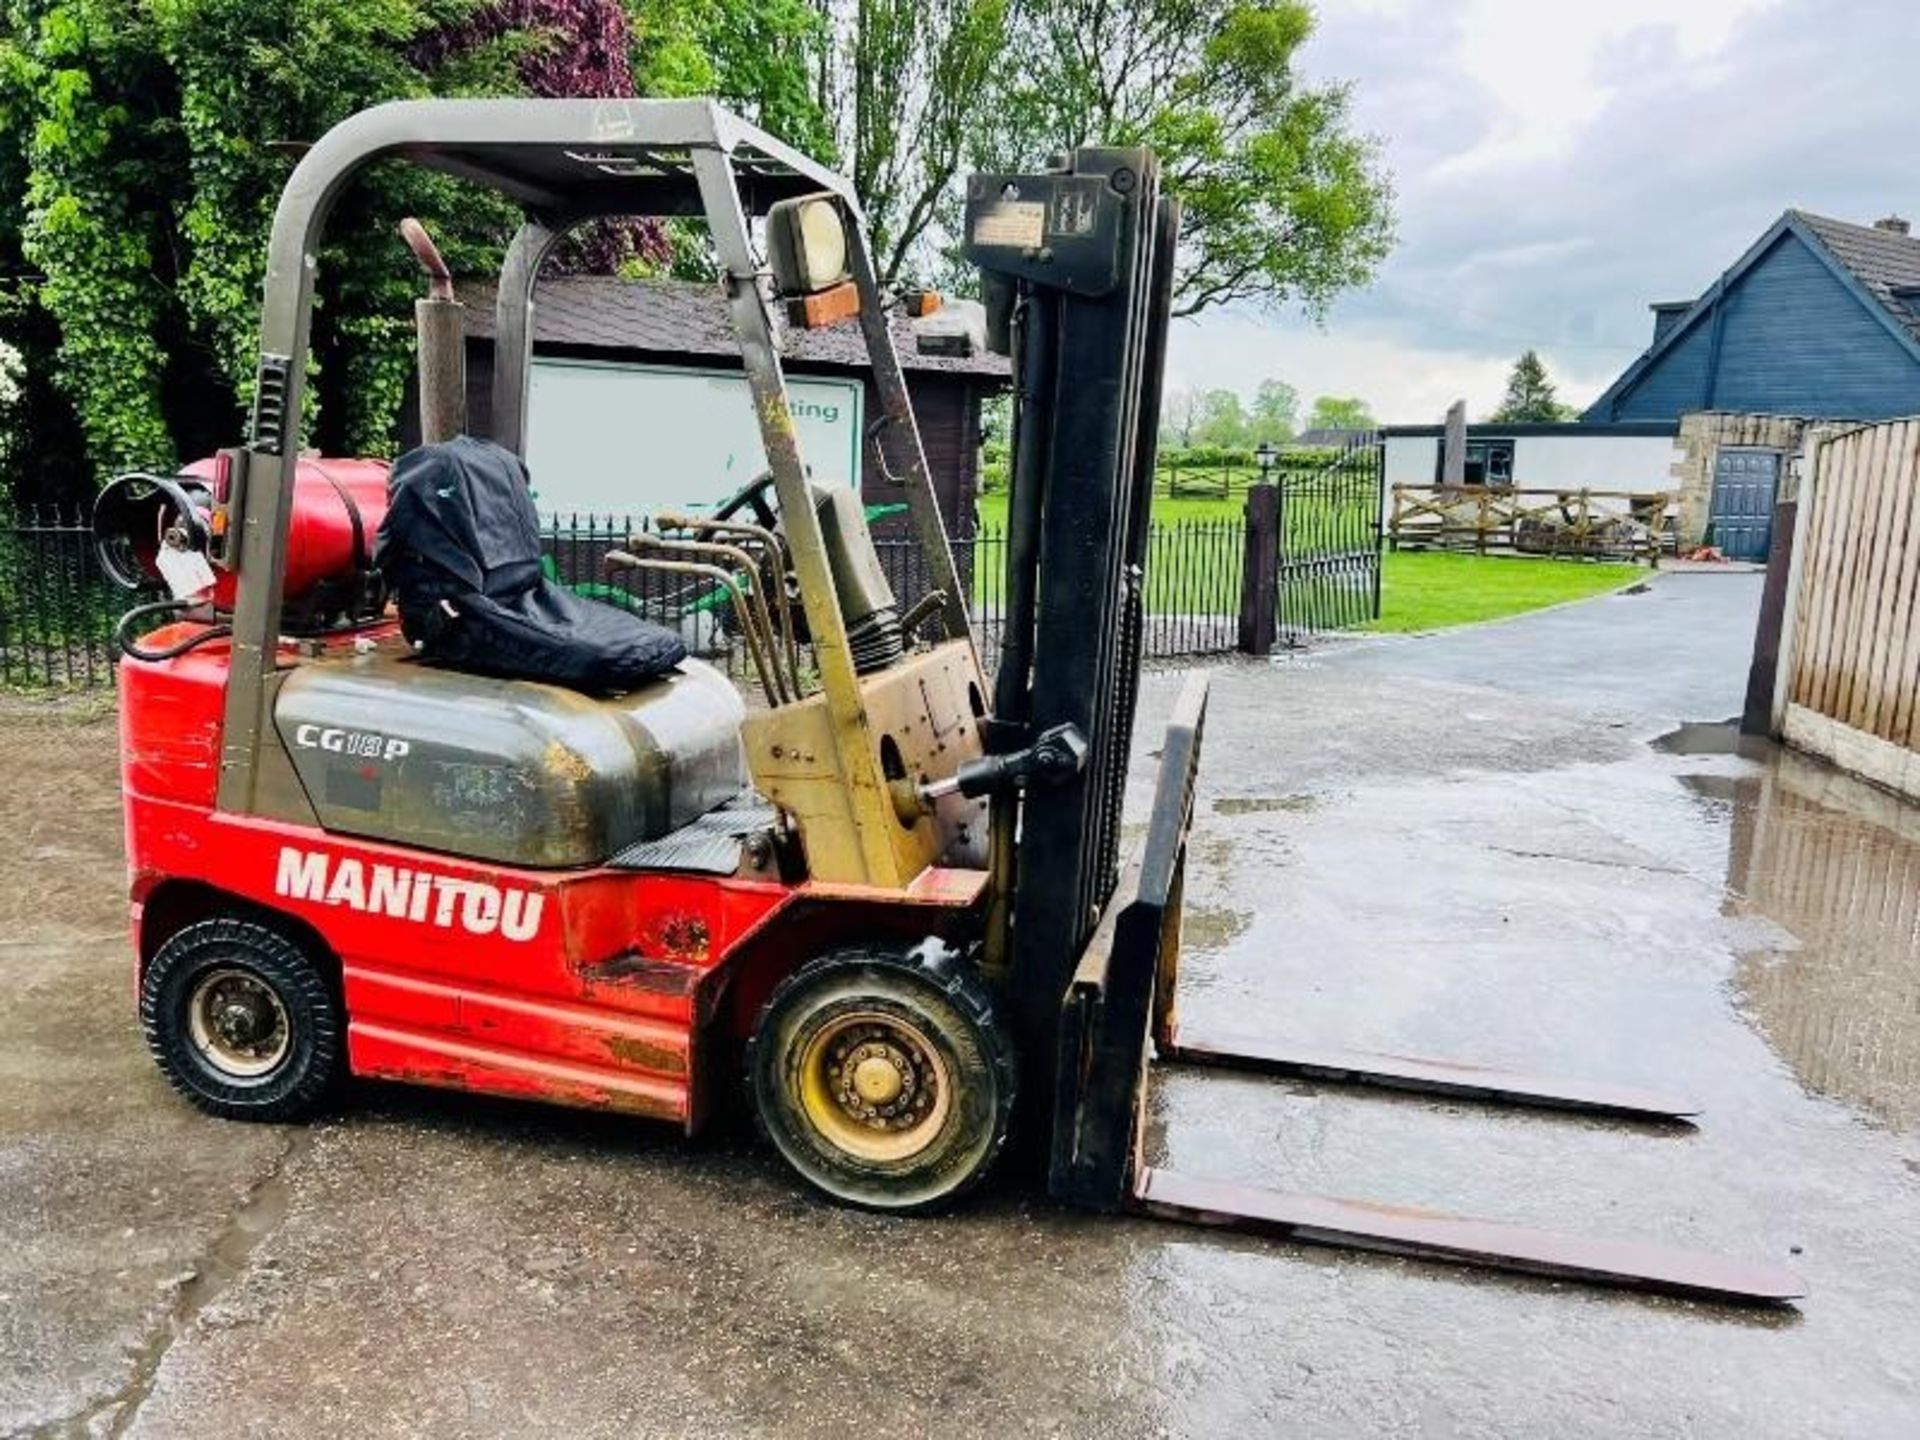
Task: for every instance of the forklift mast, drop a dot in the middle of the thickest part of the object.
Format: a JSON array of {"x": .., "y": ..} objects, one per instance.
[{"x": 1077, "y": 264}]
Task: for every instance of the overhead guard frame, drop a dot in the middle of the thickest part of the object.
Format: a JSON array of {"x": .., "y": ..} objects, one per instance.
[{"x": 565, "y": 162}]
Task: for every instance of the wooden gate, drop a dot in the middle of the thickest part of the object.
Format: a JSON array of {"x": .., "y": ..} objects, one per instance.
[{"x": 1853, "y": 676}]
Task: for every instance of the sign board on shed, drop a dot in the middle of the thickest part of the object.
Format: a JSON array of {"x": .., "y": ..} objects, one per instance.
[{"x": 611, "y": 439}]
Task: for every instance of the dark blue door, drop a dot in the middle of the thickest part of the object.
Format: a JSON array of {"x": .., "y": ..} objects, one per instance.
[{"x": 1740, "y": 521}]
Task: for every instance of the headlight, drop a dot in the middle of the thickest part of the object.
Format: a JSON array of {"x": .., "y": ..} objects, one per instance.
[{"x": 807, "y": 244}]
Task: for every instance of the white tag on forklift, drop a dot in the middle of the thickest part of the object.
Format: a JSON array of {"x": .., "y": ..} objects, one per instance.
[
  {"x": 1018, "y": 223},
  {"x": 186, "y": 572}
]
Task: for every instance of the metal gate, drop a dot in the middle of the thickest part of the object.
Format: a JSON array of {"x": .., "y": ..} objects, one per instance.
[
  {"x": 1330, "y": 539},
  {"x": 1740, "y": 519}
]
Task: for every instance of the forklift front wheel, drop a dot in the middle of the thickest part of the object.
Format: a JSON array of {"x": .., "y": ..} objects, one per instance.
[
  {"x": 241, "y": 1021},
  {"x": 885, "y": 1080}
]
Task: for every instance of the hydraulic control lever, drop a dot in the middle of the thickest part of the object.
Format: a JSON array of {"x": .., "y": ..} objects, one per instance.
[{"x": 1057, "y": 753}]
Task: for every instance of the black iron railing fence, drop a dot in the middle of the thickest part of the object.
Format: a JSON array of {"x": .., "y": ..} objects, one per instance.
[
  {"x": 1193, "y": 585},
  {"x": 1320, "y": 571},
  {"x": 1329, "y": 535},
  {"x": 57, "y": 609}
]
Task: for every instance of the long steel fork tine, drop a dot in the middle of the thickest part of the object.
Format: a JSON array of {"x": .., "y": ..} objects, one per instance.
[
  {"x": 1420, "y": 1074},
  {"x": 1428, "y": 1235}
]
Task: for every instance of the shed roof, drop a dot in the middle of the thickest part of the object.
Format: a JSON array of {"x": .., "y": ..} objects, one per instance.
[{"x": 678, "y": 317}]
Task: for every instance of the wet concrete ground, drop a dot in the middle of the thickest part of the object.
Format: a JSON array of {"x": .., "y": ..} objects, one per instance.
[{"x": 1456, "y": 845}]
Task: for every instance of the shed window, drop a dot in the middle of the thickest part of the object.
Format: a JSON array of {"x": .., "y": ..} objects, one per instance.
[{"x": 1489, "y": 462}]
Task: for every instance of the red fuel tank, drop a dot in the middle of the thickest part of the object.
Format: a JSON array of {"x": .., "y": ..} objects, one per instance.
[
  {"x": 335, "y": 512},
  {"x": 337, "y": 509}
]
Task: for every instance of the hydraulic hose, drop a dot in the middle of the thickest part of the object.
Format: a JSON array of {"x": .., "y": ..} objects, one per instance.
[{"x": 140, "y": 614}]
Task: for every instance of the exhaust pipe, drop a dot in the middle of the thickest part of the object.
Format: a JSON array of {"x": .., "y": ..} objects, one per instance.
[{"x": 440, "y": 321}]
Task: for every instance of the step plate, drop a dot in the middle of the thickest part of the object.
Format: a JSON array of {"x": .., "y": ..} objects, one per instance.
[
  {"x": 1428, "y": 1235},
  {"x": 1421, "y": 1074}
]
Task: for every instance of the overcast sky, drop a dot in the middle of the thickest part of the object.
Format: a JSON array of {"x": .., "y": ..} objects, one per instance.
[{"x": 1561, "y": 165}]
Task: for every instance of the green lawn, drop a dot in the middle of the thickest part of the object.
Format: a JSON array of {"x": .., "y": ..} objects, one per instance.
[
  {"x": 1432, "y": 591},
  {"x": 1196, "y": 570}
]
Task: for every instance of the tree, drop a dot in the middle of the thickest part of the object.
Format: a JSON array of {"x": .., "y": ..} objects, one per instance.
[
  {"x": 1337, "y": 412},
  {"x": 1530, "y": 398},
  {"x": 1276, "y": 409},
  {"x": 1223, "y": 420},
  {"x": 1281, "y": 200},
  {"x": 149, "y": 154},
  {"x": 1181, "y": 412},
  {"x": 760, "y": 58},
  {"x": 91, "y": 169},
  {"x": 908, "y": 84},
  {"x": 143, "y": 144}
]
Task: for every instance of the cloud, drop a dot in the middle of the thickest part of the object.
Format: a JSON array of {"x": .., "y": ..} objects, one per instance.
[
  {"x": 1561, "y": 167},
  {"x": 1402, "y": 381}
]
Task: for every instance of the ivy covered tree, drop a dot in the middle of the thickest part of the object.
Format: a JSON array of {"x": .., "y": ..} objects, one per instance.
[
  {"x": 143, "y": 145},
  {"x": 85, "y": 102},
  {"x": 151, "y": 141}
]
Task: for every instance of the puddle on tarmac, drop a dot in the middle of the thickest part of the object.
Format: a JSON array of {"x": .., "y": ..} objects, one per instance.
[
  {"x": 1212, "y": 853},
  {"x": 1212, "y": 927},
  {"x": 1837, "y": 864},
  {"x": 1712, "y": 738},
  {"x": 1264, "y": 804}
]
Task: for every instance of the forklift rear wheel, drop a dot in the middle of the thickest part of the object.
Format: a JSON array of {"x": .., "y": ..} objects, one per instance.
[
  {"x": 241, "y": 1021},
  {"x": 885, "y": 1080}
]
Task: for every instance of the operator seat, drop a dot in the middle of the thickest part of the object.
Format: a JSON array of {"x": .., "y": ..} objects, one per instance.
[{"x": 460, "y": 547}]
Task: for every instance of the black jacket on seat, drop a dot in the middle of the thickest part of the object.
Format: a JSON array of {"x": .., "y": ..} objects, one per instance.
[{"x": 460, "y": 546}]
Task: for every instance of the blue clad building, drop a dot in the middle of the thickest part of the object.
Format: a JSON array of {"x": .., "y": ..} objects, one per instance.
[{"x": 1820, "y": 318}]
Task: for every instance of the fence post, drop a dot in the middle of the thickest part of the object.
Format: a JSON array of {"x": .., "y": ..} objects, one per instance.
[
  {"x": 1756, "y": 717},
  {"x": 1778, "y": 627},
  {"x": 1260, "y": 571}
]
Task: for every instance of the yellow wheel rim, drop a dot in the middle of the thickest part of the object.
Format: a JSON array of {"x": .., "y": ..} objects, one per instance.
[{"x": 875, "y": 1086}]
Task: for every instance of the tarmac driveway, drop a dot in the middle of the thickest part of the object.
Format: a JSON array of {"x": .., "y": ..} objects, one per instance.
[
  {"x": 1674, "y": 648},
  {"x": 1453, "y": 845}
]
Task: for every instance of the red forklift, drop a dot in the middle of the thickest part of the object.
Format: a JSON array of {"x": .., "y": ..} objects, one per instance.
[{"x": 483, "y": 837}]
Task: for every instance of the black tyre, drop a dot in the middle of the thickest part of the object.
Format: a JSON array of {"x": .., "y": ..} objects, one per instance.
[
  {"x": 241, "y": 1020},
  {"x": 885, "y": 1080}
]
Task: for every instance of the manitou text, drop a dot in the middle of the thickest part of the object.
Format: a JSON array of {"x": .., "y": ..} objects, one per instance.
[{"x": 405, "y": 894}]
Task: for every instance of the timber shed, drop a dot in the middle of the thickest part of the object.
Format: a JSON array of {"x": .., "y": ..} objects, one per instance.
[{"x": 638, "y": 400}]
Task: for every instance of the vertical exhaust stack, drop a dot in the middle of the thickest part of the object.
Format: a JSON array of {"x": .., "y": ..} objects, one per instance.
[{"x": 440, "y": 321}]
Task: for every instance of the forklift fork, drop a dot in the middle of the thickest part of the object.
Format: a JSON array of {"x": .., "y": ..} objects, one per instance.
[
  {"x": 1120, "y": 1001},
  {"x": 1417, "y": 1074}
]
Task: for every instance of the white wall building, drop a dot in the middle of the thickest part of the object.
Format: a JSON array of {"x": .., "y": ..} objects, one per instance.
[{"x": 1637, "y": 457}]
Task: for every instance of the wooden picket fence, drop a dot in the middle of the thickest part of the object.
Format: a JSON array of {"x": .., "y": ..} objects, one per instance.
[
  {"x": 1589, "y": 524},
  {"x": 1853, "y": 689}
]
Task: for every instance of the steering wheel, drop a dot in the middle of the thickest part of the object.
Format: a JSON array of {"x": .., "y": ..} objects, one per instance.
[{"x": 758, "y": 496}]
